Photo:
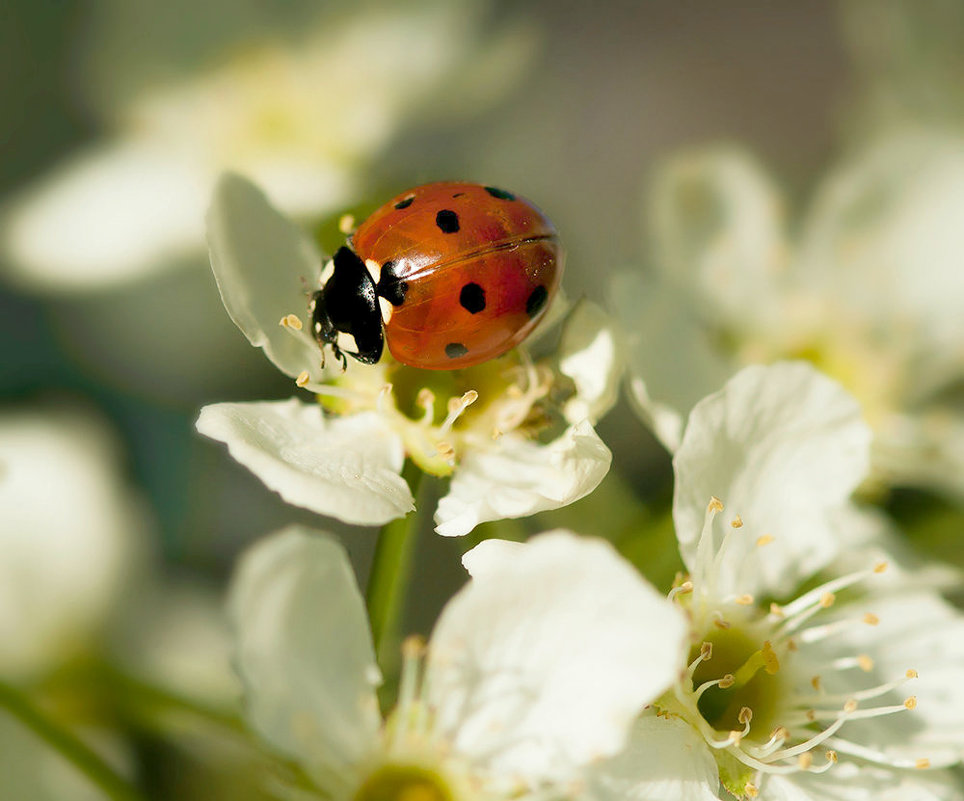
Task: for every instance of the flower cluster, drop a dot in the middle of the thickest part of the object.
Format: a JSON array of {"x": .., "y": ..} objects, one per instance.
[
  {"x": 515, "y": 434},
  {"x": 868, "y": 291},
  {"x": 534, "y": 670},
  {"x": 791, "y": 661}
]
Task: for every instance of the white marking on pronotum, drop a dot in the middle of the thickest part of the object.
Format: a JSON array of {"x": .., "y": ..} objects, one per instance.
[
  {"x": 374, "y": 269},
  {"x": 386, "y": 308}
]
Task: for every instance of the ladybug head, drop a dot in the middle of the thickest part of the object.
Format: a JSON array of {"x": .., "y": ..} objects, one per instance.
[{"x": 347, "y": 304}]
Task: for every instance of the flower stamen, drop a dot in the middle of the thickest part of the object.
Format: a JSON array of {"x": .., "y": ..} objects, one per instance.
[
  {"x": 862, "y": 695},
  {"x": 455, "y": 408}
]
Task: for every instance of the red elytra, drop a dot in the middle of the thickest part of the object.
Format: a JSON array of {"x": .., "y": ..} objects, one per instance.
[{"x": 464, "y": 271}]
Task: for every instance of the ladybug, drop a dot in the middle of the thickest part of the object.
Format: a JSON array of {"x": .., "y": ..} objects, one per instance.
[{"x": 450, "y": 274}]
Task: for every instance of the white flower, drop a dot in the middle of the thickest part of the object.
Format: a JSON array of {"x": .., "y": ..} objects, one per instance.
[
  {"x": 535, "y": 668},
  {"x": 846, "y": 691},
  {"x": 869, "y": 291},
  {"x": 301, "y": 116},
  {"x": 70, "y": 536},
  {"x": 515, "y": 435}
]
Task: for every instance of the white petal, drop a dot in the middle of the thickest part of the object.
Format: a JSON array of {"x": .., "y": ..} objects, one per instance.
[
  {"x": 718, "y": 231},
  {"x": 489, "y": 556},
  {"x": 862, "y": 782},
  {"x": 70, "y": 537},
  {"x": 263, "y": 265},
  {"x": 344, "y": 467},
  {"x": 304, "y": 650},
  {"x": 782, "y": 447},
  {"x": 590, "y": 357},
  {"x": 924, "y": 450},
  {"x": 885, "y": 235},
  {"x": 670, "y": 362},
  {"x": 110, "y": 214},
  {"x": 664, "y": 759},
  {"x": 918, "y": 631},
  {"x": 521, "y": 478},
  {"x": 539, "y": 665}
]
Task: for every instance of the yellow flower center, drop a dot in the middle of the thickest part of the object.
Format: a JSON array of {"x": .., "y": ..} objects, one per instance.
[
  {"x": 743, "y": 674},
  {"x": 400, "y": 782}
]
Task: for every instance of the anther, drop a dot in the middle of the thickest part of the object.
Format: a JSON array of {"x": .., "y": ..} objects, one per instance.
[
  {"x": 850, "y": 706},
  {"x": 445, "y": 450},
  {"x": 727, "y": 681},
  {"x": 706, "y": 651},
  {"x": 831, "y": 756},
  {"x": 910, "y": 702},
  {"x": 911, "y": 674},
  {"x": 745, "y": 716},
  {"x": 871, "y": 619},
  {"x": 681, "y": 589},
  {"x": 291, "y": 321},
  {"x": 413, "y": 647},
  {"x": 737, "y": 522},
  {"x": 346, "y": 224},
  {"x": 775, "y": 610},
  {"x": 827, "y": 599},
  {"x": 302, "y": 379},
  {"x": 744, "y": 600},
  {"x": 805, "y": 760},
  {"x": 922, "y": 764},
  {"x": 383, "y": 393},
  {"x": 715, "y": 505},
  {"x": 764, "y": 539},
  {"x": 865, "y": 663},
  {"x": 455, "y": 408},
  {"x": 751, "y": 791},
  {"x": 425, "y": 397},
  {"x": 815, "y": 683},
  {"x": 880, "y": 567}
]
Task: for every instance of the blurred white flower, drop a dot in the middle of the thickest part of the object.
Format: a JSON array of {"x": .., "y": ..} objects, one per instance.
[
  {"x": 303, "y": 117},
  {"x": 869, "y": 290},
  {"x": 70, "y": 538},
  {"x": 535, "y": 668},
  {"x": 777, "y": 694},
  {"x": 343, "y": 458}
]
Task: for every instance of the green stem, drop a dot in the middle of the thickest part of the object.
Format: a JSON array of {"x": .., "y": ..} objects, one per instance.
[
  {"x": 390, "y": 574},
  {"x": 67, "y": 745}
]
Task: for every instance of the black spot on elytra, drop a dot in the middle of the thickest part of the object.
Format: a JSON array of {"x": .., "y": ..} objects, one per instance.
[
  {"x": 537, "y": 299},
  {"x": 455, "y": 350},
  {"x": 390, "y": 286},
  {"x": 458, "y": 194},
  {"x": 501, "y": 194},
  {"x": 472, "y": 298},
  {"x": 404, "y": 204},
  {"x": 447, "y": 221}
]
